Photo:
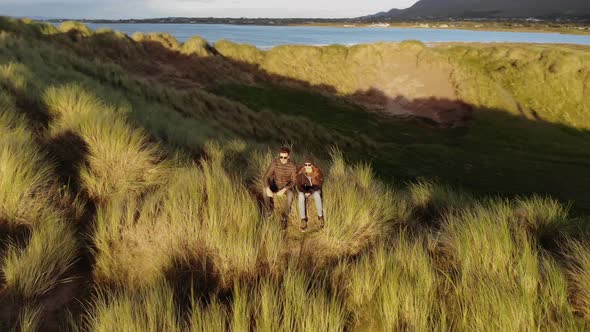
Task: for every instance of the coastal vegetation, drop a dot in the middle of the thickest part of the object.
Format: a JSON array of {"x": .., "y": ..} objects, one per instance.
[{"x": 130, "y": 185}]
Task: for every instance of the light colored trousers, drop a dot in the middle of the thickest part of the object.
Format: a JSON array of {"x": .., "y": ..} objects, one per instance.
[{"x": 317, "y": 197}]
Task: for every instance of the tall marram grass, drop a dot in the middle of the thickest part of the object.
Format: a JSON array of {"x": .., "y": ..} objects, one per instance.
[
  {"x": 240, "y": 52},
  {"x": 502, "y": 278},
  {"x": 132, "y": 243},
  {"x": 148, "y": 309},
  {"x": 358, "y": 208},
  {"x": 578, "y": 271},
  {"x": 75, "y": 26},
  {"x": 29, "y": 319},
  {"x": 432, "y": 200},
  {"x": 120, "y": 160},
  {"x": 196, "y": 46},
  {"x": 293, "y": 305},
  {"x": 45, "y": 261},
  {"x": 164, "y": 39},
  {"x": 28, "y": 196},
  {"x": 491, "y": 270},
  {"x": 26, "y": 173},
  {"x": 213, "y": 317},
  {"x": 178, "y": 240},
  {"x": 188, "y": 219},
  {"x": 392, "y": 287}
]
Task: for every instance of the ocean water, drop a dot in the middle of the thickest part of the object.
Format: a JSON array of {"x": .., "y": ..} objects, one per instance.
[{"x": 266, "y": 37}]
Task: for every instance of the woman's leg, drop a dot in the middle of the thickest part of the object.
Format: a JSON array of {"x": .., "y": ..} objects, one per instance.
[
  {"x": 317, "y": 197},
  {"x": 301, "y": 204}
]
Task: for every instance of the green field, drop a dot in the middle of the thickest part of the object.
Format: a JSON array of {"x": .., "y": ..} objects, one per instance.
[{"x": 456, "y": 196}]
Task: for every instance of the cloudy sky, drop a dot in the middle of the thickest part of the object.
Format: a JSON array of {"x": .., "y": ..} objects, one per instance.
[{"x": 196, "y": 8}]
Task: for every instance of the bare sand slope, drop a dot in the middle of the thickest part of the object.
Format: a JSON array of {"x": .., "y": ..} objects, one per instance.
[
  {"x": 404, "y": 79},
  {"x": 399, "y": 79}
]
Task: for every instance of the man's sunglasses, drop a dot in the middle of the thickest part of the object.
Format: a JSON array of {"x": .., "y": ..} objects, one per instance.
[
  {"x": 307, "y": 164},
  {"x": 284, "y": 157}
]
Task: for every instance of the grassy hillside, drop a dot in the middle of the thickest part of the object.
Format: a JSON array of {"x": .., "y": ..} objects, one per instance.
[
  {"x": 517, "y": 113},
  {"x": 130, "y": 191}
]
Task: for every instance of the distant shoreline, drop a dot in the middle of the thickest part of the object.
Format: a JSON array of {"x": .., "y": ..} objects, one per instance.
[
  {"x": 517, "y": 25},
  {"x": 446, "y": 26}
]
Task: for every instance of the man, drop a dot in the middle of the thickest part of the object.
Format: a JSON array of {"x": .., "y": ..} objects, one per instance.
[
  {"x": 279, "y": 180},
  {"x": 309, "y": 182}
]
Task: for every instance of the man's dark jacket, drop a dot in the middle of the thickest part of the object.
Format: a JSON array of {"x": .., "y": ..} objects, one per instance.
[{"x": 282, "y": 175}]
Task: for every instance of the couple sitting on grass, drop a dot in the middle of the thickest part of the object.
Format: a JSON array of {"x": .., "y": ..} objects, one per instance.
[{"x": 280, "y": 178}]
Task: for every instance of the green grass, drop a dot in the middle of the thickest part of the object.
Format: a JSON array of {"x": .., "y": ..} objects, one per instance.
[
  {"x": 540, "y": 82},
  {"x": 141, "y": 201},
  {"x": 496, "y": 153}
]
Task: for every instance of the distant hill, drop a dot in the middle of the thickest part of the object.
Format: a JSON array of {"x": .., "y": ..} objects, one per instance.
[{"x": 491, "y": 9}]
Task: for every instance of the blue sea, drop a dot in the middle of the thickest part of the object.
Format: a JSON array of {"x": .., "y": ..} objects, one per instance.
[{"x": 266, "y": 37}]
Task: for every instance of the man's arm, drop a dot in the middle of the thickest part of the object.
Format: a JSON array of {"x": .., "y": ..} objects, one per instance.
[
  {"x": 269, "y": 172},
  {"x": 291, "y": 183}
]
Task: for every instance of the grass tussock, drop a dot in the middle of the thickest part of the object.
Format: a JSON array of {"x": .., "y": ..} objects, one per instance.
[
  {"x": 164, "y": 39},
  {"x": 40, "y": 259},
  {"x": 29, "y": 319},
  {"x": 509, "y": 282},
  {"x": 359, "y": 208},
  {"x": 297, "y": 305},
  {"x": 15, "y": 77},
  {"x": 392, "y": 287},
  {"x": 240, "y": 52},
  {"x": 148, "y": 309},
  {"x": 196, "y": 46},
  {"x": 579, "y": 275},
  {"x": 213, "y": 317},
  {"x": 544, "y": 217},
  {"x": 72, "y": 26},
  {"x": 26, "y": 173},
  {"x": 186, "y": 220},
  {"x": 44, "y": 263},
  {"x": 120, "y": 160}
]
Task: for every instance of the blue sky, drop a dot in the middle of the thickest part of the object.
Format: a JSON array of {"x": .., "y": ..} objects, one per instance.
[{"x": 198, "y": 8}]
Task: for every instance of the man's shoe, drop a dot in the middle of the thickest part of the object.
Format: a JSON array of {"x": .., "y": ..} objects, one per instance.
[
  {"x": 304, "y": 224},
  {"x": 321, "y": 221}
]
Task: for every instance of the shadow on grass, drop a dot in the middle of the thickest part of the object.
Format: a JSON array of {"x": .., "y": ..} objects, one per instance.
[
  {"x": 71, "y": 153},
  {"x": 195, "y": 278}
]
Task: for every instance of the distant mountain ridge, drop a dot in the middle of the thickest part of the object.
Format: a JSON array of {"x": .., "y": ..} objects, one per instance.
[{"x": 491, "y": 9}]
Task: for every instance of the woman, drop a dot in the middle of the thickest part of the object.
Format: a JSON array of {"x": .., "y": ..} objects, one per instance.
[{"x": 309, "y": 181}]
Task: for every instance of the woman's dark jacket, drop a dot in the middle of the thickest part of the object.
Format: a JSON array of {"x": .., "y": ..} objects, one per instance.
[{"x": 307, "y": 183}]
